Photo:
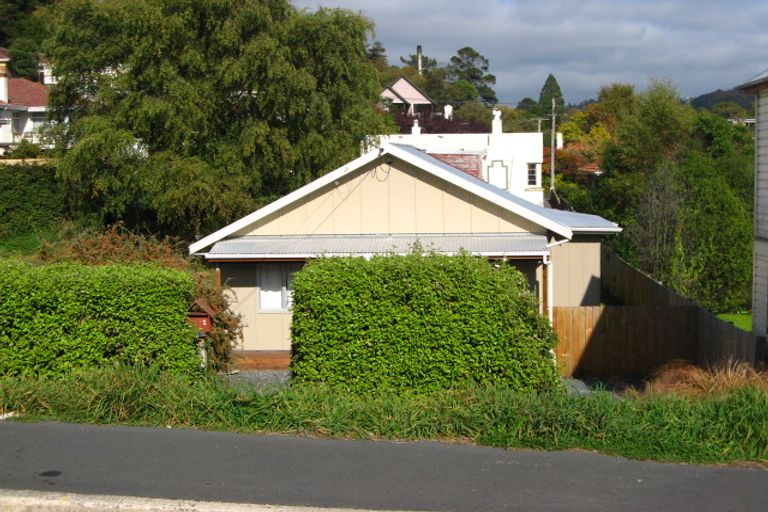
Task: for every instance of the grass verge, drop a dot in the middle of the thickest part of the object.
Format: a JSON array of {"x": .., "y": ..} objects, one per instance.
[
  {"x": 715, "y": 428},
  {"x": 741, "y": 320}
]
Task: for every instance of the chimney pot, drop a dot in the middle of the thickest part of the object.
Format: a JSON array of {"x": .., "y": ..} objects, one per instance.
[{"x": 496, "y": 126}]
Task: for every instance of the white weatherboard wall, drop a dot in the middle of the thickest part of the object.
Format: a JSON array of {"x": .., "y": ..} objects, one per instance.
[{"x": 760, "y": 272}]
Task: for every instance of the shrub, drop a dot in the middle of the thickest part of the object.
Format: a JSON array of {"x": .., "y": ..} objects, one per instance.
[
  {"x": 25, "y": 149},
  {"x": 30, "y": 199},
  {"x": 59, "y": 317},
  {"x": 418, "y": 322},
  {"x": 120, "y": 245}
]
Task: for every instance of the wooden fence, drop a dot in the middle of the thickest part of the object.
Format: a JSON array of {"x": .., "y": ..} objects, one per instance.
[
  {"x": 629, "y": 286},
  {"x": 629, "y": 341},
  {"x": 654, "y": 326}
]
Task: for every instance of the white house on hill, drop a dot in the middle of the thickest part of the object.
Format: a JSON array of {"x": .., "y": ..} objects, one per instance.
[{"x": 23, "y": 107}]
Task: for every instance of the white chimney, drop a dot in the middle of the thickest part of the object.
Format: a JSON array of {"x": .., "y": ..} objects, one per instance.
[
  {"x": 496, "y": 125},
  {"x": 4, "y": 81},
  {"x": 416, "y": 130},
  {"x": 448, "y": 112}
]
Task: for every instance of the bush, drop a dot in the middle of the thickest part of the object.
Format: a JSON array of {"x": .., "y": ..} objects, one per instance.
[
  {"x": 56, "y": 318},
  {"x": 25, "y": 149},
  {"x": 418, "y": 322},
  {"x": 120, "y": 245},
  {"x": 30, "y": 199}
]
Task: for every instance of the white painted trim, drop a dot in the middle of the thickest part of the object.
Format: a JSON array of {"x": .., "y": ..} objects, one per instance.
[
  {"x": 479, "y": 191},
  {"x": 283, "y": 201},
  {"x": 367, "y": 255},
  {"x": 417, "y": 161},
  {"x": 598, "y": 231}
]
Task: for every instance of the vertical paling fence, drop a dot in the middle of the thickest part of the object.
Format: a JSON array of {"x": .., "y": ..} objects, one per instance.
[{"x": 653, "y": 327}]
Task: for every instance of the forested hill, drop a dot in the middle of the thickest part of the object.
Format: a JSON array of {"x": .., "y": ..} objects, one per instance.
[{"x": 711, "y": 99}]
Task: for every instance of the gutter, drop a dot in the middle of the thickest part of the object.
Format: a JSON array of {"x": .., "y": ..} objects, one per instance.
[{"x": 367, "y": 255}]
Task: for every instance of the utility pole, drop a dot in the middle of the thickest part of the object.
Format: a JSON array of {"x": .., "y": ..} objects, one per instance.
[
  {"x": 539, "y": 120},
  {"x": 552, "y": 151}
]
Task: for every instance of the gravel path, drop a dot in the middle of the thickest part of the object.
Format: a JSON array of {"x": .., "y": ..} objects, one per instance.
[{"x": 259, "y": 379}]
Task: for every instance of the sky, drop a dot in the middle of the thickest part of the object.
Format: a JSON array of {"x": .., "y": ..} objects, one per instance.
[{"x": 698, "y": 45}]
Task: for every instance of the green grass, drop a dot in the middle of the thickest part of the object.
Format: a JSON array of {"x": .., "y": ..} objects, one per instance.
[
  {"x": 741, "y": 320},
  {"x": 714, "y": 428}
]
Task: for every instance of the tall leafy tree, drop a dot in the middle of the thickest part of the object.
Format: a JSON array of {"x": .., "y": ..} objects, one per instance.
[
  {"x": 551, "y": 90},
  {"x": 472, "y": 67},
  {"x": 194, "y": 112},
  {"x": 23, "y": 27}
]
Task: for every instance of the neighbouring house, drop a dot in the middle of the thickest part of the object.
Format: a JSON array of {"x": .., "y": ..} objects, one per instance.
[
  {"x": 23, "y": 107},
  {"x": 759, "y": 87},
  {"x": 386, "y": 201},
  {"x": 405, "y": 95},
  {"x": 511, "y": 161}
]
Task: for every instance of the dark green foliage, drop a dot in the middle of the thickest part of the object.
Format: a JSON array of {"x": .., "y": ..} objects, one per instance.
[
  {"x": 549, "y": 91},
  {"x": 192, "y": 113},
  {"x": 418, "y": 322},
  {"x": 710, "y": 100},
  {"x": 30, "y": 199},
  {"x": 119, "y": 245},
  {"x": 681, "y": 184},
  {"x": 470, "y": 66},
  {"x": 713, "y": 428},
  {"x": 56, "y": 318}
]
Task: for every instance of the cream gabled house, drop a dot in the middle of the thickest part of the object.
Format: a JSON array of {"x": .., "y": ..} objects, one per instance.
[{"x": 385, "y": 201}]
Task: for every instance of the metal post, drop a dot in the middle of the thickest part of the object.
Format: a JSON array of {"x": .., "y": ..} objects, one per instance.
[{"x": 552, "y": 150}]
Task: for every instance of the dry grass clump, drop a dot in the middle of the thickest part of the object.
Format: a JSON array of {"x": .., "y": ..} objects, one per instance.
[{"x": 682, "y": 377}]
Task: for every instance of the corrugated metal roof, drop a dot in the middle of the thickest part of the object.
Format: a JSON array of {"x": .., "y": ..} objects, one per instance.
[{"x": 485, "y": 244}]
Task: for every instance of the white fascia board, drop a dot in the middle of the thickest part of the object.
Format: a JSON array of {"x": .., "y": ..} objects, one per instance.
[
  {"x": 37, "y": 109},
  {"x": 598, "y": 231},
  {"x": 307, "y": 256},
  {"x": 366, "y": 158},
  {"x": 467, "y": 185},
  {"x": 284, "y": 201}
]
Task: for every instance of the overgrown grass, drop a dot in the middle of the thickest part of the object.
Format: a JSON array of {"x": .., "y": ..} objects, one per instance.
[
  {"x": 715, "y": 428},
  {"x": 741, "y": 320}
]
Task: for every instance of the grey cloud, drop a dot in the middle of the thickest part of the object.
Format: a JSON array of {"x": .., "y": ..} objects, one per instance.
[{"x": 700, "y": 46}]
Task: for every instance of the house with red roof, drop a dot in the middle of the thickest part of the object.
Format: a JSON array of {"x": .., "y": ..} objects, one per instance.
[{"x": 23, "y": 107}]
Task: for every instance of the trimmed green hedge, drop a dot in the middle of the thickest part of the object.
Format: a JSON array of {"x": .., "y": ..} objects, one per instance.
[
  {"x": 30, "y": 199},
  {"x": 418, "y": 322},
  {"x": 55, "y": 318}
]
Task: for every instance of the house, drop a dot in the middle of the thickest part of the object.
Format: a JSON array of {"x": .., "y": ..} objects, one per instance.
[
  {"x": 759, "y": 87},
  {"x": 511, "y": 161},
  {"x": 406, "y": 95},
  {"x": 385, "y": 201},
  {"x": 23, "y": 107}
]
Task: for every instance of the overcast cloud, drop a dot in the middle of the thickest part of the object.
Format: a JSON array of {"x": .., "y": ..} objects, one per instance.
[{"x": 699, "y": 45}]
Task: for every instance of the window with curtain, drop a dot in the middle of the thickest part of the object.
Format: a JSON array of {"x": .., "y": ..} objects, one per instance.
[{"x": 275, "y": 285}]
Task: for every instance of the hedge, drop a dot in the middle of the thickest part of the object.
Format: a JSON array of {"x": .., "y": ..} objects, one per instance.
[
  {"x": 30, "y": 199},
  {"x": 418, "y": 322},
  {"x": 55, "y": 318}
]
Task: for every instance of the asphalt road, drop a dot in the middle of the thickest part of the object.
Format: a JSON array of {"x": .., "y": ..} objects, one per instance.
[{"x": 282, "y": 470}]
